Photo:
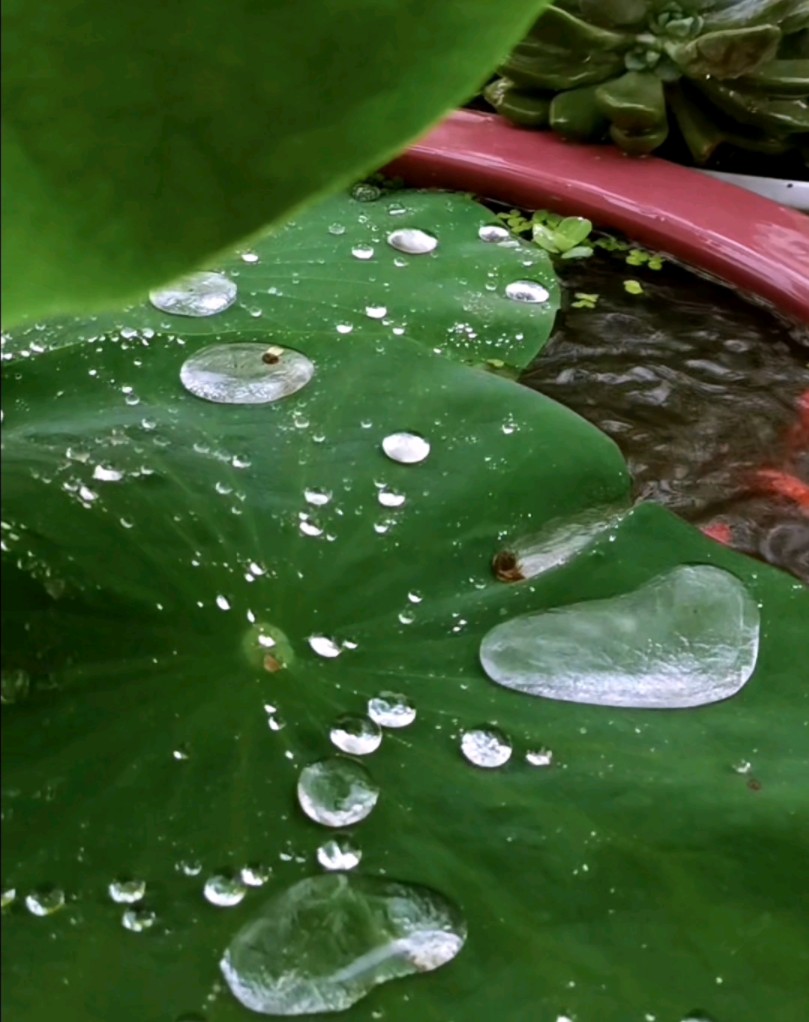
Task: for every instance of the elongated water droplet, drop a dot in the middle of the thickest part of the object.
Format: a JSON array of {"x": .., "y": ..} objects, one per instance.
[
  {"x": 224, "y": 891},
  {"x": 324, "y": 943},
  {"x": 358, "y": 736},
  {"x": 45, "y": 902},
  {"x": 391, "y": 709},
  {"x": 390, "y": 498},
  {"x": 412, "y": 241},
  {"x": 105, "y": 474},
  {"x": 406, "y": 448},
  {"x": 137, "y": 920},
  {"x": 539, "y": 757},
  {"x": 363, "y": 252},
  {"x": 250, "y": 257},
  {"x": 336, "y": 792},
  {"x": 376, "y": 311},
  {"x": 255, "y": 875},
  {"x": 8, "y": 897},
  {"x": 239, "y": 374},
  {"x": 318, "y": 498},
  {"x": 486, "y": 746},
  {"x": 127, "y": 892},
  {"x": 527, "y": 291},
  {"x": 324, "y": 646},
  {"x": 494, "y": 233},
  {"x": 339, "y": 852},
  {"x": 687, "y": 638},
  {"x": 198, "y": 294}
]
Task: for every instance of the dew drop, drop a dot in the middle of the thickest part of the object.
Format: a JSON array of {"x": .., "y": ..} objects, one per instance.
[
  {"x": 390, "y": 498},
  {"x": 358, "y": 736},
  {"x": 687, "y": 638},
  {"x": 743, "y": 766},
  {"x": 239, "y": 374},
  {"x": 364, "y": 192},
  {"x": 190, "y": 867},
  {"x": 275, "y": 722},
  {"x": 309, "y": 528},
  {"x": 318, "y": 498},
  {"x": 327, "y": 941},
  {"x": 45, "y": 902},
  {"x": 224, "y": 891},
  {"x": 255, "y": 874},
  {"x": 406, "y": 617},
  {"x": 250, "y": 257},
  {"x": 494, "y": 233},
  {"x": 486, "y": 747},
  {"x": 137, "y": 920},
  {"x": 8, "y": 897},
  {"x": 324, "y": 646},
  {"x": 391, "y": 709},
  {"x": 412, "y": 241},
  {"x": 198, "y": 294},
  {"x": 406, "y": 448},
  {"x": 127, "y": 892},
  {"x": 222, "y": 602},
  {"x": 339, "y": 852},
  {"x": 337, "y": 229},
  {"x": 527, "y": 291},
  {"x": 539, "y": 757},
  {"x": 375, "y": 311},
  {"x": 336, "y": 792},
  {"x": 363, "y": 252},
  {"x": 414, "y": 597},
  {"x": 105, "y": 474}
]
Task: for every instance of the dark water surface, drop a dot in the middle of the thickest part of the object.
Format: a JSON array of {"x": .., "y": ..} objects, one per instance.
[{"x": 706, "y": 394}]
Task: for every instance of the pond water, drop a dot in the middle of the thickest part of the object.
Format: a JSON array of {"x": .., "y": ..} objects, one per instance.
[{"x": 706, "y": 394}]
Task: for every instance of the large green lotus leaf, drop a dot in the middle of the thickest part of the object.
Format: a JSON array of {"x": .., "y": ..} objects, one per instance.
[
  {"x": 304, "y": 278},
  {"x": 639, "y": 875},
  {"x": 140, "y": 140}
]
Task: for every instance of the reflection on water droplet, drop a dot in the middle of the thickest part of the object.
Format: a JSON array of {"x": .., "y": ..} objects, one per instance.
[
  {"x": 105, "y": 474},
  {"x": 391, "y": 709},
  {"x": 336, "y": 792},
  {"x": 224, "y": 891},
  {"x": 412, "y": 241},
  {"x": 389, "y": 498},
  {"x": 318, "y": 498},
  {"x": 238, "y": 374},
  {"x": 324, "y": 646},
  {"x": 486, "y": 746},
  {"x": 355, "y": 735},
  {"x": 45, "y": 902},
  {"x": 138, "y": 919},
  {"x": 687, "y": 638},
  {"x": 324, "y": 943},
  {"x": 539, "y": 757},
  {"x": 376, "y": 311},
  {"x": 15, "y": 685},
  {"x": 494, "y": 233},
  {"x": 127, "y": 892},
  {"x": 340, "y": 852},
  {"x": 364, "y": 192},
  {"x": 406, "y": 448},
  {"x": 198, "y": 294},
  {"x": 527, "y": 291},
  {"x": 255, "y": 875},
  {"x": 363, "y": 251}
]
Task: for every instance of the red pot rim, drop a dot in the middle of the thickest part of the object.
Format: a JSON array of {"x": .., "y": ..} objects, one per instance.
[{"x": 750, "y": 242}]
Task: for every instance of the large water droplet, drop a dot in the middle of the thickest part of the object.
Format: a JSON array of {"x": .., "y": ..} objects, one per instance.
[
  {"x": 45, "y": 902},
  {"x": 390, "y": 498},
  {"x": 687, "y": 638},
  {"x": 406, "y": 448},
  {"x": 527, "y": 291},
  {"x": 494, "y": 233},
  {"x": 336, "y": 792},
  {"x": 324, "y": 943},
  {"x": 363, "y": 252},
  {"x": 127, "y": 892},
  {"x": 486, "y": 746},
  {"x": 340, "y": 852},
  {"x": 412, "y": 241},
  {"x": 358, "y": 736},
  {"x": 391, "y": 709},
  {"x": 324, "y": 646},
  {"x": 376, "y": 311},
  {"x": 224, "y": 891},
  {"x": 245, "y": 374},
  {"x": 198, "y": 294},
  {"x": 137, "y": 920}
]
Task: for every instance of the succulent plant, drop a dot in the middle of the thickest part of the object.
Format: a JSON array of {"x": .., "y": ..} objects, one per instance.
[{"x": 725, "y": 71}]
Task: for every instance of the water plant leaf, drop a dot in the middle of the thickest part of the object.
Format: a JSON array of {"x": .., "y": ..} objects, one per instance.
[{"x": 135, "y": 151}]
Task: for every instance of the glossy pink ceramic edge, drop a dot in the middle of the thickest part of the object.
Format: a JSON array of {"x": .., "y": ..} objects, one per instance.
[{"x": 750, "y": 242}]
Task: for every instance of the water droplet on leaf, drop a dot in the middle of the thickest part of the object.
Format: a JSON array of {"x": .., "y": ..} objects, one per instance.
[
  {"x": 137, "y": 920},
  {"x": 527, "y": 291},
  {"x": 224, "y": 891},
  {"x": 255, "y": 875},
  {"x": 237, "y": 374},
  {"x": 324, "y": 646},
  {"x": 336, "y": 792},
  {"x": 364, "y": 192},
  {"x": 412, "y": 241},
  {"x": 339, "y": 852},
  {"x": 318, "y": 498},
  {"x": 127, "y": 892},
  {"x": 45, "y": 902},
  {"x": 494, "y": 233},
  {"x": 363, "y": 252},
  {"x": 389, "y": 498},
  {"x": 391, "y": 709},
  {"x": 486, "y": 747},
  {"x": 406, "y": 448},
  {"x": 376, "y": 311},
  {"x": 358, "y": 736},
  {"x": 539, "y": 757},
  {"x": 198, "y": 294}
]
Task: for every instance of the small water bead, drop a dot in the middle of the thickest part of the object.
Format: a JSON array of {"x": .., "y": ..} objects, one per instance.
[
  {"x": 406, "y": 448},
  {"x": 689, "y": 637},
  {"x": 309, "y": 528},
  {"x": 744, "y": 766},
  {"x": 389, "y": 498},
  {"x": 358, "y": 736},
  {"x": 318, "y": 498},
  {"x": 8, "y": 897},
  {"x": 539, "y": 757},
  {"x": 15, "y": 684},
  {"x": 105, "y": 474},
  {"x": 337, "y": 229},
  {"x": 376, "y": 311},
  {"x": 127, "y": 892},
  {"x": 486, "y": 747},
  {"x": 327, "y": 941},
  {"x": 137, "y": 920},
  {"x": 250, "y": 257},
  {"x": 364, "y": 192},
  {"x": 344, "y": 328},
  {"x": 324, "y": 646},
  {"x": 406, "y": 617},
  {"x": 198, "y": 294},
  {"x": 255, "y": 875},
  {"x": 494, "y": 233},
  {"x": 414, "y": 596},
  {"x": 190, "y": 867},
  {"x": 245, "y": 373},
  {"x": 222, "y": 602},
  {"x": 275, "y": 722},
  {"x": 363, "y": 252},
  {"x": 391, "y": 709},
  {"x": 412, "y": 241},
  {"x": 45, "y": 902},
  {"x": 336, "y": 792},
  {"x": 527, "y": 291},
  {"x": 224, "y": 891},
  {"x": 339, "y": 853}
]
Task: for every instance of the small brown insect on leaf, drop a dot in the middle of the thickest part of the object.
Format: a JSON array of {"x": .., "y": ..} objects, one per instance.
[
  {"x": 753, "y": 784},
  {"x": 506, "y": 567},
  {"x": 271, "y": 663},
  {"x": 270, "y": 358}
]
